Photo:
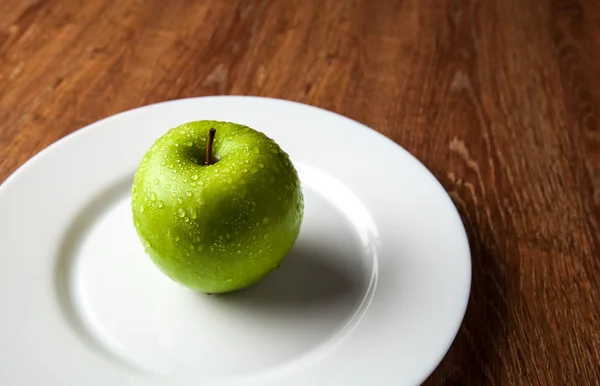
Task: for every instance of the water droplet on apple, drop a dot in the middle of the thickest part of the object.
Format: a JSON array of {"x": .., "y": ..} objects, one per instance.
[
  {"x": 193, "y": 214},
  {"x": 256, "y": 150},
  {"x": 186, "y": 219},
  {"x": 228, "y": 280},
  {"x": 238, "y": 245},
  {"x": 142, "y": 208},
  {"x": 159, "y": 204},
  {"x": 181, "y": 212},
  {"x": 189, "y": 194},
  {"x": 168, "y": 186},
  {"x": 173, "y": 178},
  {"x": 176, "y": 239},
  {"x": 156, "y": 181},
  {"x": 200, "y": 183},
  {"x": 238, "y": 251},
  {"x": 265, "y": 220},
  {"x": 180, "y": 200},
  {"x": 188, "y": 143},
  {"x": 260, "y": 251},
  {"x": 199, "y": 248},
  {"x": 254, "y": 170},
  {"x": 185, "y": 180},
  {"x": 266, "y": 236},
  {"x": 153, "y": 196},
  {"x": 137, "y": 223},
  {"x": 195, "y": 177},
  {"x": 262, "y": 166}
]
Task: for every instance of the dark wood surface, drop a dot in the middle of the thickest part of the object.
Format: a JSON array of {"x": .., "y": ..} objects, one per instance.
[{"x": 499, "y": 98}]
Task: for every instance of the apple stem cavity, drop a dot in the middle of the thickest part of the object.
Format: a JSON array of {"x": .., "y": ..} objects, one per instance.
[{"x": 209, "y": 143}]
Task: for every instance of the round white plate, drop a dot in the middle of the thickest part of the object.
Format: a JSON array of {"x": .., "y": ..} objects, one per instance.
[{"x": 373, "y": 292}]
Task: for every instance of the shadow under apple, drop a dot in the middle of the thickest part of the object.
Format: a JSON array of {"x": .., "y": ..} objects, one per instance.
[{"x": 314, "y": 274}]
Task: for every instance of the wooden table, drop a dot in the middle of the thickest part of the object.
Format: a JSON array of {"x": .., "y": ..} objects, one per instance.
[{"x": 499, "y": 98}]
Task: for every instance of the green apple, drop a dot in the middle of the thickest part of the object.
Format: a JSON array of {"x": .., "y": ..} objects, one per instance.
[{"x": 216, "y": 215}]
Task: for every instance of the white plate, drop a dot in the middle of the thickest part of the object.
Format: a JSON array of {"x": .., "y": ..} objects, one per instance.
[{"x": 373, "y": 292}]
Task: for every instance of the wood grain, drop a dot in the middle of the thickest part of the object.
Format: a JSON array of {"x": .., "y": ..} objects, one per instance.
[{"x": 499, "y": 98}]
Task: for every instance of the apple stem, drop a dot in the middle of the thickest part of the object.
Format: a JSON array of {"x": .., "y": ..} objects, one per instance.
[{"x": 211, "y": 137}]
